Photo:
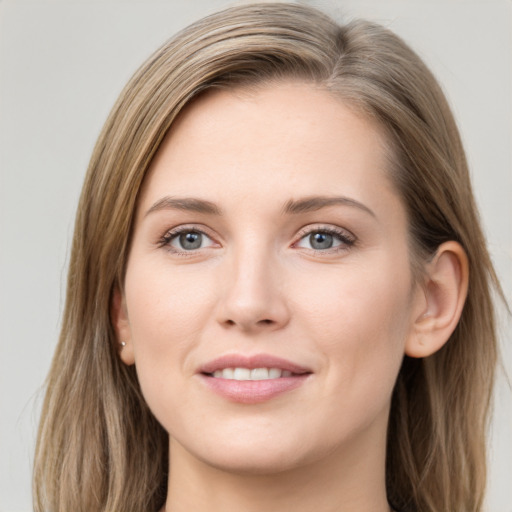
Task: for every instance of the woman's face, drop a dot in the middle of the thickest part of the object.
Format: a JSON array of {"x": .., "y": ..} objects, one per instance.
[{"x": 268, "y": 237}]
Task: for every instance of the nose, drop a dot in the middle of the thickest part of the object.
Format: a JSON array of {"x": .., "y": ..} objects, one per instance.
[{"x": 253, "y": 295}]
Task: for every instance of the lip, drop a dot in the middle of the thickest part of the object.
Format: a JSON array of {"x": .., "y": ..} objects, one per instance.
[
  {"x": 251, "y": 362},
  {"x": 252, "y": 391}
]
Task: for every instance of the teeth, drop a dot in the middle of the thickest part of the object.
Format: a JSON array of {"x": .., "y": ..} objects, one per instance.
[
  {"x": 255, "y": 374},
  {"x": 242, "y": 374},
  {"x": 274, "y": 373},
  {"x": 227, "y": 373},
  {"x": 259, "y": 374}
]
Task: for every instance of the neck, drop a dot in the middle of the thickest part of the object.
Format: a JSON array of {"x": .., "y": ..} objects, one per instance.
[{"x": 340, "y": 482}]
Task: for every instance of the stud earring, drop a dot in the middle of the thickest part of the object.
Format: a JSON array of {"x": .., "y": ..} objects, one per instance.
[{"x": 123, "y": 344}]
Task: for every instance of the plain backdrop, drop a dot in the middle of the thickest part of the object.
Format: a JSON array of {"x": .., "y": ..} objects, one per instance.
[{"x": 62, "y": 65}]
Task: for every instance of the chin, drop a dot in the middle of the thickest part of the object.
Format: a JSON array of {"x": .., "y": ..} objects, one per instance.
[
  {"x": 256, "y": 458},
  {"x": 253, "y": 464}
]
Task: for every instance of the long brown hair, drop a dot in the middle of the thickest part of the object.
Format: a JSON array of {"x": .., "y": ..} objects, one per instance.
[{"x": 99, "y": 447}]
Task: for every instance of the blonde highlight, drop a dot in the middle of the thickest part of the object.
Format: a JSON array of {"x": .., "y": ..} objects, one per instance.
[{"x": 99, "y": 447}]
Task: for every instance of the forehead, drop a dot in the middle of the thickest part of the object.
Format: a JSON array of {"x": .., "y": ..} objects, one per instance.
[{"x": 291, "y": 137}]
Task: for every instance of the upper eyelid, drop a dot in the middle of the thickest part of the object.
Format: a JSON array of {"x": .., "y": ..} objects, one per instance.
[
  {"x": 329, "y": 228},
  {"x": 199, "y": 228},
  {"x": 172, "y": 233}
]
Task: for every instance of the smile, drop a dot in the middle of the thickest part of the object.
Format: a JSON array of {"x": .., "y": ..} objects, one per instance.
[
  {"x": 248, "y": 374},
  {"x": 252, "y": 379}
]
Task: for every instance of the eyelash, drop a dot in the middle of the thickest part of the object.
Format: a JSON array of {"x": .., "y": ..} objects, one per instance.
[
  {"x": 172, "y": 234},
  {"x": 345, "y": 238}
]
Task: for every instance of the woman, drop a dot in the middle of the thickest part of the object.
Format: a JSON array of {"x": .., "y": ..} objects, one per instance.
[{"x": 279, "y": 292}]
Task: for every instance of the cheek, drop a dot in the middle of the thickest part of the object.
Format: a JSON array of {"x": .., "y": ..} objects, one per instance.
[
  {"x": 371, "y": 297},
  {"x": 166, "y": 308},
  {"x": 167, "y": 313},
  {"x": 360, "y": 318}
]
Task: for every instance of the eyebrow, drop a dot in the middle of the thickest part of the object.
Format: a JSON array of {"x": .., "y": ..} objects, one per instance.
[
  {"x": 307, "y": 204},
  {"x": 314, "y": 203},
  {"x": 185, "y": 203}
]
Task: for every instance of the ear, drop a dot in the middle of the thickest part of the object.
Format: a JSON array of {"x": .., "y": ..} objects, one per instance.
[
  {"x": 445, "y": 289},
  {"x": 120, "y": 321}
]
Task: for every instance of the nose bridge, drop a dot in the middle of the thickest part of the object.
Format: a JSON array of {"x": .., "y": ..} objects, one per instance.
[{"x": 253, "y": 298}]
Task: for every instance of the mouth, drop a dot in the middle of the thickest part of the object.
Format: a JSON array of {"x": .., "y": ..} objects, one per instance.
[
  {"x": 251, "y": 374},
  {"x": 252, "y": 379}
]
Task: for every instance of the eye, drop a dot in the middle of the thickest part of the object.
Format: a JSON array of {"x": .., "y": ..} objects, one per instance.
[
  {"x": 186, "y": 240},
  {"x": 326, "y": 239}
]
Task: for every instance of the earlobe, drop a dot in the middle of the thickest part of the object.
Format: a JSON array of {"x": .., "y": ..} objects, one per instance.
[
  {"x": 445, "y": 289},
  {"x": 121, "y": 324}
]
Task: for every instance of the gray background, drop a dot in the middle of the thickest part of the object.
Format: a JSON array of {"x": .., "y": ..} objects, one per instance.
[{"x": 62, "y": 65}]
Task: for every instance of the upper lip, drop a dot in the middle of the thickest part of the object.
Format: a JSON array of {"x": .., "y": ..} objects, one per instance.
[{"x": 251, "y": 362}]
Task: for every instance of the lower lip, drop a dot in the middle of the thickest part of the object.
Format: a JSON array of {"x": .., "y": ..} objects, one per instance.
[{"x": 253, "y": 391}]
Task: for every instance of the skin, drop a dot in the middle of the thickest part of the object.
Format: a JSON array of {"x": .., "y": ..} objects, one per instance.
[{"x": 257, "y": 285}]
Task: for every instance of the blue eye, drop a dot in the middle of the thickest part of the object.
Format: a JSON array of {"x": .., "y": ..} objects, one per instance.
[
  {"x": 321, "y": 241},
  {"x": 187, "y": 240},
  {"x": 325, "y": 239}
]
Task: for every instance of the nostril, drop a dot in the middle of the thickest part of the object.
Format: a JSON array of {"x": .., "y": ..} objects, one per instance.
[{"x": 265, "y": 321}]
